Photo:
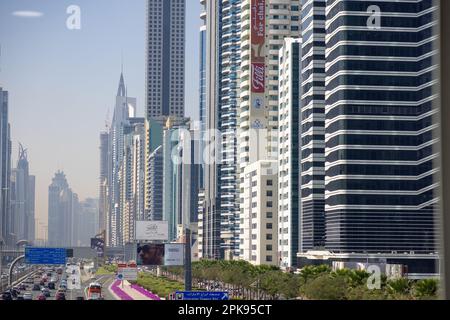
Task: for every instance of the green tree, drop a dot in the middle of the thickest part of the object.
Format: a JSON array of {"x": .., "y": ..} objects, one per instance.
[
  {"x": 401, "y": 286},
  {"x": 426, "y": 289},
  {"x": 326, "y": 287}
]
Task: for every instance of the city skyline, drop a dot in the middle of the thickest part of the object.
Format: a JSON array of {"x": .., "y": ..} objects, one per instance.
[{"x": 59, "y": 72}]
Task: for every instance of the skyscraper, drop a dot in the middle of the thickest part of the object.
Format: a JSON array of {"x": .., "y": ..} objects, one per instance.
[
  {"x": 289, "y": 153},
  {"x": 124, "y": 110},
  {"x": 265, "y": 24},
  {"x": 131, "y": 177},
  {"x": 380, "y": 192},
  {"x": 165, "y": 58},
  {"x": 5, "y": 170},
  {"x": 22, "y": 198},
  {"x": 313, "y": 125},
  {"x": 103, "y": 206},
  {"x": 61, "y": 204},
  {"x": 222, "y": 59}
]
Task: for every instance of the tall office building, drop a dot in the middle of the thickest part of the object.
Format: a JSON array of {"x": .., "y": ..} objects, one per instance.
[
  {"x": 313, "y": 125},
  {"x": 22, "y": 198},
  {"x": 380, "y": 191},
  {"x": 61, "y": 204},
  {"x": 202, "y": 88},
  {"x": 289, "y": 153},
  {"x": 165, "y": 58},
  {"x": 155, "y": 186},
  {"x": 222, "y": 58},
  {"x": 103, "y": 206},
  {"x": 124, "y": 110},
  {"x": 5, "y": 171},
  {"x": 265, "y": 24},
  {"x": 132, "y": 178},
  {"x": 87, "y": 222},
  {"x": 172, "y": 178}
]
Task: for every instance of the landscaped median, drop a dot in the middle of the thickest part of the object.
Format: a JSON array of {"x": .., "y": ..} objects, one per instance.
[{"x": 115, "y": 288}]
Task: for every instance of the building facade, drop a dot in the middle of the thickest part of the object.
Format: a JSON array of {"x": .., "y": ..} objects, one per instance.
[
  {"x": 124, "y": 110},
  {"x": 165, "y": 58},
  {"x": 265, "y": 26},
  {"x": 6, "y": 221},
  {"x": 23, "y": 199},
  {"x": 261, "y": 200},
  {"x": 223, "y": 61},
  {"x": 61, "y": 214},
  {"x": 379, "y": 141},
  {"x": 289, "y": 153}
]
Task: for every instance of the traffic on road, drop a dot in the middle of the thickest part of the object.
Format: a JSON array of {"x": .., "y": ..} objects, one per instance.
[{"x": 61, "y": 282}]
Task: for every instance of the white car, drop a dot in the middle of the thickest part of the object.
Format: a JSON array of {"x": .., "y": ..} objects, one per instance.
[{"x": 27, "y": 296}]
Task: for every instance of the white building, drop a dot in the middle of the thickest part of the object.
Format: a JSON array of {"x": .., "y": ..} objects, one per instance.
[
  {"x": 289, "y": 152},
  {"x": 265, "y": 24},
  {"x": 259, "y": 236}
]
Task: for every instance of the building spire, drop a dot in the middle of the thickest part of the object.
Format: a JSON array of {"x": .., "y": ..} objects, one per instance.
[{"x": 121, "y": 92}]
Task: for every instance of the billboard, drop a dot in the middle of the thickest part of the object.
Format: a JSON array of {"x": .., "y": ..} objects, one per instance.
[
  {"x": 174, "y": 254},
  {"x": 152, "y": 230},
  {"x": 150, "y": 254},
  {"x": 45, "y": 256},
  {"x": 258, "y": 65},
  {"x": 99, "y": 246}
]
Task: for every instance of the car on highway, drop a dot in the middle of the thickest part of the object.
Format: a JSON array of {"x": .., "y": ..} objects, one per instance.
[
  {"x": 80, "y": 298},
  {"x": 36, "y": 287},
  {"x": 7, "y": 295},
  {"x": 41, "y": 297},
  {"x": 46, "y": 292},
  {"x": 51, "y": 285},
  {"x": 62, "y": 289},
  {"x": 27, "y": 296},
  {"x": 22, "y": 287},
  {"x": 60, "y": 296}
]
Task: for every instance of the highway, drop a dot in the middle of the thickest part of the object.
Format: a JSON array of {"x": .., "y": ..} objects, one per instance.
[{"x": 77, "y": 280}]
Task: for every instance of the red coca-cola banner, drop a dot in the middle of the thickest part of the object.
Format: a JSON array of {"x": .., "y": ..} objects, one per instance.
[
  {"x": 258, "y": 77},
  {"x": 258, "y": 17}
]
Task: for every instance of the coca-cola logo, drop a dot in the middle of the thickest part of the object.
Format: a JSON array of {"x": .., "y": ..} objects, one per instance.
[{"x": 258, "y": 74}]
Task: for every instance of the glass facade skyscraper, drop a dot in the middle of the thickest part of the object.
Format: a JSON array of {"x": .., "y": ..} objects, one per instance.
[
  {"x": 368, "y": 134},
  {"x": 380, "y": 138}
]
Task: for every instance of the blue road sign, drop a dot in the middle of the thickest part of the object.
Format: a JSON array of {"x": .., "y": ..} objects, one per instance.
[
  {"x": 201, "y": 295},
  {"x": 120, "y": 276},
  {"x": 51, "y": 256}
]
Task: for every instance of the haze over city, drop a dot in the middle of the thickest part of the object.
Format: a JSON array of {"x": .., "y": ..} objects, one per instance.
[{"x": 62, "y": 82}]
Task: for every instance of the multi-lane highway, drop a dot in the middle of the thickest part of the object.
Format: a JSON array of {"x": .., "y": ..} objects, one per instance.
[{"x": 71, "y": 280}]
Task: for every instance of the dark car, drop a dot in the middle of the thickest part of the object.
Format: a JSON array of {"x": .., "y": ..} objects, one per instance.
[
  {"x": 14, "y": 292},
  {"x": 36, "y": 287},
  {"x": 49, "y": 274},
  {"x": 46, "y": 292},
  {"x": 80, "y": 298},
  {"x": 51, "y": 286},
  {"x": 23, "y": 287},
  {"x": 60, "y": 296},
  {"x": 20, "y": 298},
  {"x": 41, "y": 297},
  {"x": 7, "y": 296}
]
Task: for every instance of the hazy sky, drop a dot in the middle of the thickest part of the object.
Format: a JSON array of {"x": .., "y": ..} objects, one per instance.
[{"x": 62, "y": 82}]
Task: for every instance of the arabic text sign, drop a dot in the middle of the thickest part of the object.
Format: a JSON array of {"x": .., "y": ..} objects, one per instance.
[{"x": 48, "y": 256}]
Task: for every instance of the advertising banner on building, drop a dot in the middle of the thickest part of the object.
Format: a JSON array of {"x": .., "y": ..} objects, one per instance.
[
  {"x": 152, "y": 230},
  {"x": 99, "y": 246},
  {"x": 258, "y": 64},
  {"x": 174, "y": 254}
]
